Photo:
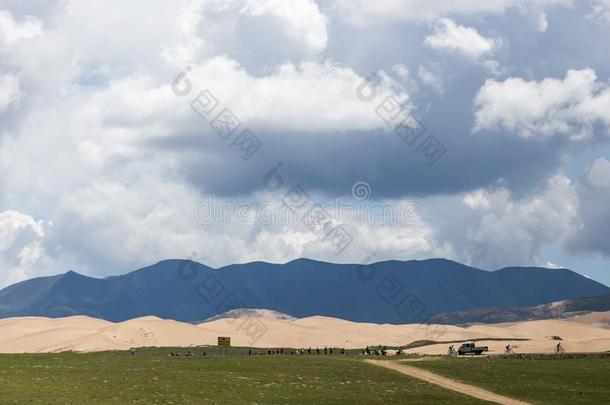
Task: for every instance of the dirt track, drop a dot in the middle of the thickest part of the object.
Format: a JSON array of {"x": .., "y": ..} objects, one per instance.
[{"x": 447, "y": 383}]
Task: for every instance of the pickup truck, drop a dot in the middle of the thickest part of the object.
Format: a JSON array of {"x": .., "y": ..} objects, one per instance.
[{"x": 470, "y": 348}]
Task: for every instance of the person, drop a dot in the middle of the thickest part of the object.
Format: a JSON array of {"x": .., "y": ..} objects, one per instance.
[
  {"x": 317, "y": 350},
  {"x": 309, "y": 350},
  {"x": 331, "y": 350},
  {"x": 559, "y": 349},
  {"x": 368, "y": 351}
]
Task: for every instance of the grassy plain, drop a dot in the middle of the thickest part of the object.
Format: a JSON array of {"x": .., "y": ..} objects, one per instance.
[
  {"x": 539, "y": 379},
  {"x": 151, "y": 376}
]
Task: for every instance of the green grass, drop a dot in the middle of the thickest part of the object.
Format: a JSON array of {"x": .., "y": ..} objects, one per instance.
[
  {"x": 540, "y": 380},
  {"x": 151, "y": 376}
]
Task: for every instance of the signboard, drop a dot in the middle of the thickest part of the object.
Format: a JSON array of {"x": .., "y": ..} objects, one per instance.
[{"x": 224, "y": 341}]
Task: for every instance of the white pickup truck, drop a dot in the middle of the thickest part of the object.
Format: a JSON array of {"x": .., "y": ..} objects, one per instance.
[{"x": 470, "y": 348}]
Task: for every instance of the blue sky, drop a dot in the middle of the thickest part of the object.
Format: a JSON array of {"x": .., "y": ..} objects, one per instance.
[{"x": 110, "y": 159}]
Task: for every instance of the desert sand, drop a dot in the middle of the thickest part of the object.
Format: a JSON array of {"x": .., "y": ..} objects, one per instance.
[{"x": 588, "y": 333}]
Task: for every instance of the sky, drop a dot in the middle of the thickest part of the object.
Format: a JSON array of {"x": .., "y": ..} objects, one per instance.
[{"x": 349, "y": 131}]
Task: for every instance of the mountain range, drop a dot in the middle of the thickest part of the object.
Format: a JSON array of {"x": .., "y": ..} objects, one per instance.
[{"x": 384, "y": 292}]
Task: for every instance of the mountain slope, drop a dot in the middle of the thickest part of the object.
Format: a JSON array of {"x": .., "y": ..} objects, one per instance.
[
  {"x": 391, "y": 291},
  {"x": 555, "y": 310}
]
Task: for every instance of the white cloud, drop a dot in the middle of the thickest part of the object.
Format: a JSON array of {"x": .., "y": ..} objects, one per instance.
[
  {"x": 599, "y": 174},
  {"x": 304, "y": 21},
  {"x": 477, "y": 199},
  {"x": 309, "y": 97},
  {"x": 21, "y": 248},
  {"x": 263, "y": 33},
  {"x": 448, "y": 36},
  {"x": 12, "y": 31},
  {"x": 542, "y": 23},
  {"x": 568, "y": 107},
  {"x": 514, "y": 232},
  {"x": 601, "y": 11},
  {"x": 9, "y": 91},
  {"x": 431, "y": 79},
  {"x": 594, "y": 192}
]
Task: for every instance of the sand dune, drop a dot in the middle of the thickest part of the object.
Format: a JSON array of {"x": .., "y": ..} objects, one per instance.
[{"x": 84, "y": 334}]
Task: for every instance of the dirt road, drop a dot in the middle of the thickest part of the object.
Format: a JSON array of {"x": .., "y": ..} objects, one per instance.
[{"x": 450, "y": 384}]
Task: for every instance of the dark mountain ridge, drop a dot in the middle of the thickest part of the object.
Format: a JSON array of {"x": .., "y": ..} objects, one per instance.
[{"x": 384, "y": 292}]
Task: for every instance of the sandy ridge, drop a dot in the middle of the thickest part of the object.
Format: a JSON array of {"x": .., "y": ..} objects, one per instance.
[{"x": 84, "y": 334}]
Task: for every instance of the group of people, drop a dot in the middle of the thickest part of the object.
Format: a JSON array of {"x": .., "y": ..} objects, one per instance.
[
  {"x": 188, "y": 353},
  {"x": 508, "y": 349},
  {"x": 380, "y": 352},
  {"x": 317, "y": 350}
]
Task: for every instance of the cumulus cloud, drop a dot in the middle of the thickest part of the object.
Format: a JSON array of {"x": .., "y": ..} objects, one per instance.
[
  {"x": 451, "y": 37},
  {"x": 318, "y": 98},
  {"x": 262, "y": 33},
  {"x": 13, "y": 31},
  {"x": 303, "y": 19},
  {"x": 477, "y": 199},
  {"x": 21, "y": 246},
  {"x": 601, "y": 11},
  {"x": 598, "y": 175},
  {"x": 594, "y": 192},
  {"x": 569, "y": 107},
  {"x": 9, "y": 91},
  {"x": 503, "y": 230}
]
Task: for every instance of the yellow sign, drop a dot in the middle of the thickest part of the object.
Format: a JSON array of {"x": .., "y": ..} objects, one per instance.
[{"x": 224, "y": 341}]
